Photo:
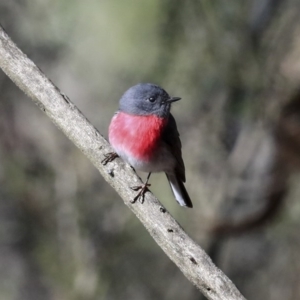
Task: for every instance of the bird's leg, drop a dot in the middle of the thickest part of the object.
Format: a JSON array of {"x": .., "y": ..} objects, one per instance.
[
  {"x": 109, "y": 157},
  {"x": 142, "y": 190}
]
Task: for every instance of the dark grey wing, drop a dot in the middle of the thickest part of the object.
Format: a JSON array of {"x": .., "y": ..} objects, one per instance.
[{"x": 171, "y": 137}]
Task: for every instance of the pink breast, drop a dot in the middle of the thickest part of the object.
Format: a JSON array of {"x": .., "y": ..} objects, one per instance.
[{"x": 138, "y": 136}]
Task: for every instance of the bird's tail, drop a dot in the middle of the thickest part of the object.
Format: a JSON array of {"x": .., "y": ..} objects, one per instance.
[{"x": 179, "y": 191}]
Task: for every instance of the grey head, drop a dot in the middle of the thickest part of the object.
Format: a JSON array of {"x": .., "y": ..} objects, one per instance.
[{"x": 146, "y": 99}]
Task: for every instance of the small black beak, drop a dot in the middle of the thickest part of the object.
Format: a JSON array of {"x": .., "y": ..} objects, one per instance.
[{"x": 173, "y": 99}]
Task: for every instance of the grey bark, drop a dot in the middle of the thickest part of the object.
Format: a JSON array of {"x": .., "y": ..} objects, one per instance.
[{"x": 191, "y": 259}]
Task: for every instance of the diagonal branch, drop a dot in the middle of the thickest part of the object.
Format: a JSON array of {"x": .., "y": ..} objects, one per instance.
[{"x": 181, "y": 249}]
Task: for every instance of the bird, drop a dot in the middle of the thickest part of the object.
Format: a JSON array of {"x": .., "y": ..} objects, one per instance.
[{"x": 144, "y": 133}]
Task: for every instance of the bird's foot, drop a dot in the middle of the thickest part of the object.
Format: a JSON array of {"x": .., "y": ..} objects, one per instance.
[
  {"x": 141, "y": 194},
  {"x": 109, "y": 157}
]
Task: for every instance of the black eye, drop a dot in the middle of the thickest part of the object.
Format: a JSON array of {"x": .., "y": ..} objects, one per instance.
[{"x": 151, "y": 99}]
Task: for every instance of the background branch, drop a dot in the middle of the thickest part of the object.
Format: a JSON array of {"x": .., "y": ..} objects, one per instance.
[{"x": 182, "y": 250}]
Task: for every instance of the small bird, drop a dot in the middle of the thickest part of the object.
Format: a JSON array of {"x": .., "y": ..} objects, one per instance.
[{"x": 144, "y": 133}]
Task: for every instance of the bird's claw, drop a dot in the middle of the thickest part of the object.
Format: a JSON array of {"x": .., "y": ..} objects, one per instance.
[
  {"x": 141, "y": 194},
  {"x": 109, "y": 157}
]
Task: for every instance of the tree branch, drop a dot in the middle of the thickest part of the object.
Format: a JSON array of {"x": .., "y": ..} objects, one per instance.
[{"x": 182, "y": 250}]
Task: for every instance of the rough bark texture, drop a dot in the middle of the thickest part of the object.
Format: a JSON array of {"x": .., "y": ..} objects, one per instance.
[{"x": 195, "y": 264}]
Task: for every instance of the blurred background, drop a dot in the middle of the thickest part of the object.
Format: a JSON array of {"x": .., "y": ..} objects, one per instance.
[{"x": 65, "y": 234}]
